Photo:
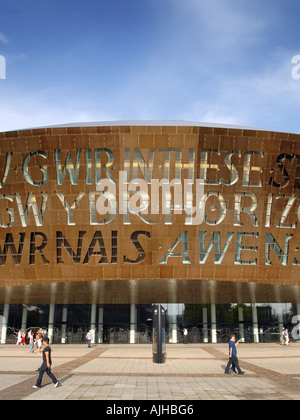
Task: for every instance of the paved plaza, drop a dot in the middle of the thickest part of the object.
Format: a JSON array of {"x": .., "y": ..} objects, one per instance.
[{"x": 126, "y": 372}]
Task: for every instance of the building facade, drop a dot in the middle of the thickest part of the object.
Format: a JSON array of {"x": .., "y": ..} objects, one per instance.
[{"x": 100, "y": 221}]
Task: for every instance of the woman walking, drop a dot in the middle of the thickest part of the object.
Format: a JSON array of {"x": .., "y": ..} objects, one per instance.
[{"x": 46, "y": 366}]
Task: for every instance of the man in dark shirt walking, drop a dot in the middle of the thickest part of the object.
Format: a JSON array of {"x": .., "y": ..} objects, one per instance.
[
  {"x": 233, "y": 359},
  {"x": 46, "y": 366}
]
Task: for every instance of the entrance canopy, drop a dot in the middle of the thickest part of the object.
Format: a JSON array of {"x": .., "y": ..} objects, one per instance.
[{"x": 149, "y": 291}]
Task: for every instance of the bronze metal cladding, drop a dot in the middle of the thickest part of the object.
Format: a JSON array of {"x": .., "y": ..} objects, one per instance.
[{"x": 143, "y": 214}]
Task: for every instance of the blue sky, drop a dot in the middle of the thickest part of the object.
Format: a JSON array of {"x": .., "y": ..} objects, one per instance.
[{"x": 219, "y": 61}]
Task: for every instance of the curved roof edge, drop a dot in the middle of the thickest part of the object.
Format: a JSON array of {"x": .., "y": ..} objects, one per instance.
[
  {"x": 166, "y": 123},
  {"x": 150, "y": 123}
]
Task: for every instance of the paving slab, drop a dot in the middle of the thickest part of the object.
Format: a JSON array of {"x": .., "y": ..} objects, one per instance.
[{"x": 9, "y": 380}]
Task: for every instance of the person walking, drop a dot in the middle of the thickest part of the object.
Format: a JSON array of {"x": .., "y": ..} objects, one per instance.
[
  {"x": 39, "y": 342},
  {"x": 23, "y": 336},
  {"x": 19, "y": 339},
  {"x": 31, "y": 342},
  {"x": 283, "y": 337},
  {"x": 89, "y": 338},
  {"x": 233, "y": 359},
  {"x": 46, "y": 366},
  {"x": 286, "y": 337},
  {"x": 185, "y": 336}
]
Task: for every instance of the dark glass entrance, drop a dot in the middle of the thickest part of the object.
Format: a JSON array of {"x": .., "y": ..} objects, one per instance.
[{"x": 123, "y": 324}]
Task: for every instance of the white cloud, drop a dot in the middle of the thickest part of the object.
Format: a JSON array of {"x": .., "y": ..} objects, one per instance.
[
  {"x": 221, "y": 24},
  {"x": 3, "y": 39},
  {"x": 268, "y": 99},
  {"x": 22, "y": 110}
]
